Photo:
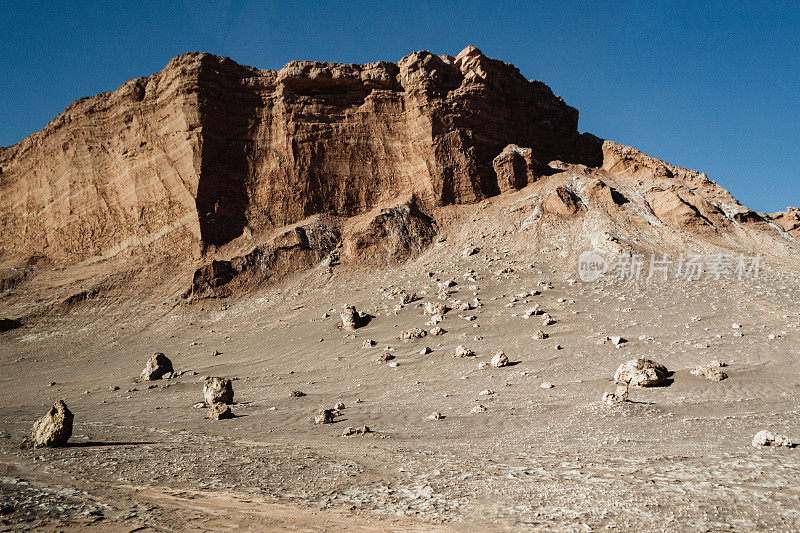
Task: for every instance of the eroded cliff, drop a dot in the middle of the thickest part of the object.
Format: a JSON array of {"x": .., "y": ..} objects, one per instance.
[{"x": 194, "y": 156}]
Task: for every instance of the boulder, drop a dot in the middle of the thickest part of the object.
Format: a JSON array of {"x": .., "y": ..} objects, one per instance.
[
  {"x": 350, "y": 317},
  {"x": 158, "y": 365},
  {"x": 219, "y": 411},
  {"x": 768, "y": 438},
  {"x": 218, "y": 390},
  {"x": 515, "y": 167},
  {"x": 463, "y": 351},
  {"x": 499, "y": 359},
  {"x": 642, "y": 373},
  {"x": 53, "y": 429},
  {"x": 325, "y": 416}
]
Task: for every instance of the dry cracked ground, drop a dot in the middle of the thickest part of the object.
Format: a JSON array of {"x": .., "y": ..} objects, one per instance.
[{"x": 679, "y": 457}]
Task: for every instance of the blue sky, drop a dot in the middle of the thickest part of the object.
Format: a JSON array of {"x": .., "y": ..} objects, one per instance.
[{"x": 707, "y": 85}]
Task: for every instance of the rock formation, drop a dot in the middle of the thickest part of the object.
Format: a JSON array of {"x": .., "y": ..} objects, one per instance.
[
  {"x": 246, "y": 175},
  {"x": 207, "y": 150}
]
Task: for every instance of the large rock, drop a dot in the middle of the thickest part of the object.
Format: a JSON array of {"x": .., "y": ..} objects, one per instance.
[
  {"x": 642, "y": 373},
  {"x": 53, "y": 429},
  {"x": 350, "y": 317},
  {"x": 218, "y": 390},
  {"x": 515, "y": 167},
  {"x": 158, "y": 365}
]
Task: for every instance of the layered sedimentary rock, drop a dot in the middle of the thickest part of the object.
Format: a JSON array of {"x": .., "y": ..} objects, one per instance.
[{"x": 193, "y": 156}]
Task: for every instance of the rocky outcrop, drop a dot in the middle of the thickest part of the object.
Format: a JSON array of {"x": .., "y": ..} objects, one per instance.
[
  {"x": 299, "y": 247},
  {"x": 194, "y": 156},
  {"x": 563, "y": 202},
  {"x": 788, "y": 221},
  {"x": 390, "y": 236}
]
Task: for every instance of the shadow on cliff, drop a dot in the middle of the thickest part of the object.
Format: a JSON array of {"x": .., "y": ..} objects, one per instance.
[{"x": 226, "y": 111}]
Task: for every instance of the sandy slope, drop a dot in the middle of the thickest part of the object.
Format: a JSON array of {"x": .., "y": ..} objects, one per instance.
[{"x": 676, "y": 458}]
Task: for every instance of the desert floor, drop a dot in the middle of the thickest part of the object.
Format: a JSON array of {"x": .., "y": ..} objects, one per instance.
[{"x": 678, "y": 457}]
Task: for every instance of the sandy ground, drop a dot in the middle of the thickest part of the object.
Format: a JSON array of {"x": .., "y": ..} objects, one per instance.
[{"x": 674, "y": 458}]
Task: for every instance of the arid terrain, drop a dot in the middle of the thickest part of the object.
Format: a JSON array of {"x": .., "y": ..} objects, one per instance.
[{"x": 242, "y": 273}]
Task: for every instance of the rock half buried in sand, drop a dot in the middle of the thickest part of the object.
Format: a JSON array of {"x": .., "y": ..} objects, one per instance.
[
  {"x": 413, "y": 333},
  {"x": 350, "y": 317},
  {"x": 463, "y": 351},
  {"x": 53, "y": 429},
  {"x": 218, "y": 390},
  {"x": 434, "y": 308},
  {"x": 363, "y": 430},
  {"x": 642, "y": 373},
  {"x": 158, "y": 365},
  {"x": 219, "y": 411},
  {"x": 325, "y": 416},
  {"x": 711, "y": 371},
  {"x": 768, "y": 438}
]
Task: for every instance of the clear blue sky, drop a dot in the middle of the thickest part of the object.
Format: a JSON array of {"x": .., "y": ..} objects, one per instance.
[{"x": 708, "y": 85}]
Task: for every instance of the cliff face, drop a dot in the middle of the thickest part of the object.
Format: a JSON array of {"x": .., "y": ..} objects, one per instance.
[{"x": 206, "y": 150}]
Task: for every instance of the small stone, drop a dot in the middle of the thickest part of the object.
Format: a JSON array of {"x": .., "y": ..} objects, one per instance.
[
  {"x": 297, "y": 394},
  {"x": 539, "y": 335},
  {"x": 436, "y": 415},
  {"x": 339, "y": 406},
  {"x": 547, "y": 385},
  {"x": 425, "y": 351},
  {"x": 434, "y": 308},
  {"x": 478, "y": 409},
  {"x": 385, "y": 357},
  {"x": 711, "y": 371},
  {"x": 438, "y": 330},
  {"x": 369, "y": 343}
]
